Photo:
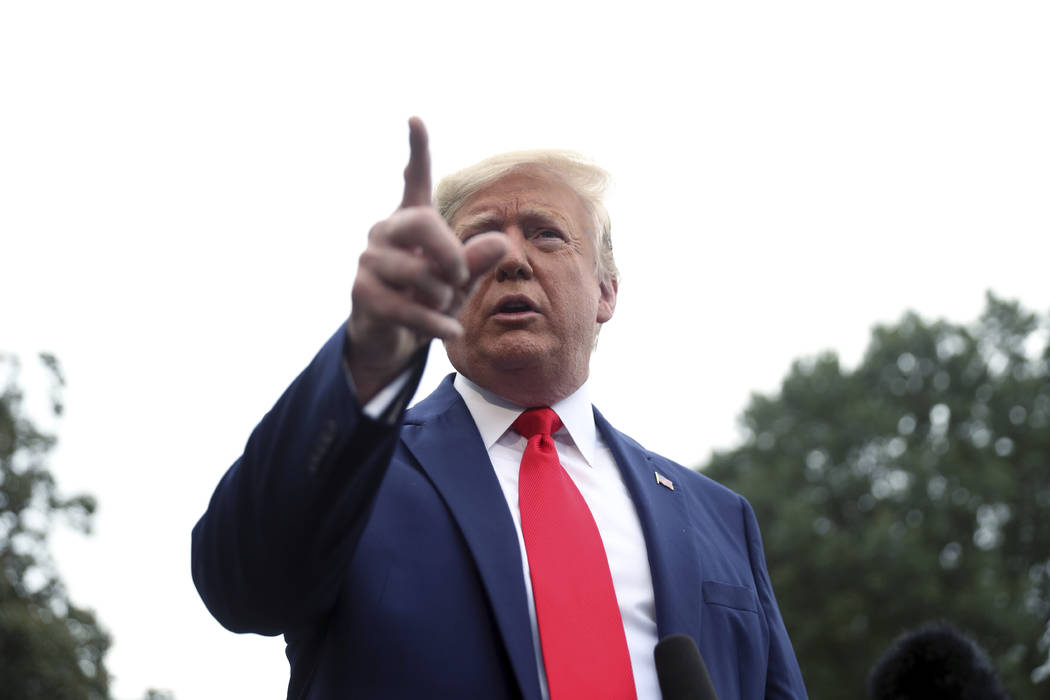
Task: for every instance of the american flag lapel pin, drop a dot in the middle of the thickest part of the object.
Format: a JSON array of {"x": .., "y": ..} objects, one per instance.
[{"x": 664, "y": 481}]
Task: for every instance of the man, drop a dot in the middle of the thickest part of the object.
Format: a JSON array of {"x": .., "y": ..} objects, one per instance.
[{"x": 468, "y": 548}]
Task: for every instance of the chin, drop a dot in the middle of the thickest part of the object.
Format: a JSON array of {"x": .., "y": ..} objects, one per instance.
[{"x": 509, "y": 354}]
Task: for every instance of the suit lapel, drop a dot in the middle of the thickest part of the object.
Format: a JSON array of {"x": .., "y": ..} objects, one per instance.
[
  {"x": 442, "y": 436},
  {"x": 669, "y": 536}
]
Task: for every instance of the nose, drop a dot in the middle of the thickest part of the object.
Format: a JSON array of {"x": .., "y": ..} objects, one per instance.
[{"x": 515, "y": 264}]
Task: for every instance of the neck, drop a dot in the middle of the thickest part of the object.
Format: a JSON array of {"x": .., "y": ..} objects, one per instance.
[{"x": 526, "y": 389}]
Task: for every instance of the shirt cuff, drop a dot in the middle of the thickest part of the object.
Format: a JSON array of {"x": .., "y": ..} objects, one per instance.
[
  {"x": 379, "y": 403},
  {"x": 389, "y": 403}
]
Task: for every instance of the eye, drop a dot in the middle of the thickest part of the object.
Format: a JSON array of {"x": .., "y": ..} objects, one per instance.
[{"x": 548, "y": 233}]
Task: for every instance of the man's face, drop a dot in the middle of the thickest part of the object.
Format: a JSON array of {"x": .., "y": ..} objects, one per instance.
[{"x": 533, "y": 318}]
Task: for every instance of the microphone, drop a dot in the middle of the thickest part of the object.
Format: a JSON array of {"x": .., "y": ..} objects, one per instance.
[{"x": 681, "y": 671}]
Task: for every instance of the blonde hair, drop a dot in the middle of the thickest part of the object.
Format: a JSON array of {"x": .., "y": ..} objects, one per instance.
[{"x": 583, "y": 177}]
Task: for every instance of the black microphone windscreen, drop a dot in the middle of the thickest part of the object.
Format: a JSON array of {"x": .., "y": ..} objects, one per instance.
[
  {"x": 681, "y": 671},
  {"x": 935, "y": 661}
]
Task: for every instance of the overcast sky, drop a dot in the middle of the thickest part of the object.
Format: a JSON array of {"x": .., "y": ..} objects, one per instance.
[{"x": 185, "y": 188}]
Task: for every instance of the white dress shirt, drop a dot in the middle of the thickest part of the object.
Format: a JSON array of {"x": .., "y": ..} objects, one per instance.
[{"x": 591, "y": 466}]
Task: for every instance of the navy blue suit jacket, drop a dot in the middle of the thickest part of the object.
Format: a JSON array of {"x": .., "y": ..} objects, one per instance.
[{"x": 387, "y": 556}]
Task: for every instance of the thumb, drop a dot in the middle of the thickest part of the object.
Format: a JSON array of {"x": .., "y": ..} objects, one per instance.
[{"x": 482, "y": 253}]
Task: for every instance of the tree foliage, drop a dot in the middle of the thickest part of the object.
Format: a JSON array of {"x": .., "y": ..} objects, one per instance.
[
  {"x": 49, "y": 647},
  {"x": 915, "y": 487}
]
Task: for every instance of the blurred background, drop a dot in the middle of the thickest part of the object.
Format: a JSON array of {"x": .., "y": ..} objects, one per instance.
[{"x": 812, "y": 202}]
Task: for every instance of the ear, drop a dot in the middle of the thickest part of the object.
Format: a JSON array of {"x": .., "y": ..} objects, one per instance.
[{"x": 607, "y": 299}]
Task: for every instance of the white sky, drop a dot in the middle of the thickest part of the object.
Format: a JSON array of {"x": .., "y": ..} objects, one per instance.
[{"x": 185, "y": 188}]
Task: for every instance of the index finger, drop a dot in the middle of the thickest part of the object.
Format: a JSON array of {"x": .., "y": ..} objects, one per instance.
[{"x": 417, "y": 172}]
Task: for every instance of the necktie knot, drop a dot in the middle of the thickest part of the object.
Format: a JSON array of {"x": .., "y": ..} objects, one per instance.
[{"x": 537, "y": 421}]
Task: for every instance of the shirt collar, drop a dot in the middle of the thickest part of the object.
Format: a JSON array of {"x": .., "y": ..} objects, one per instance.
[{"x": 494, "y": 415}]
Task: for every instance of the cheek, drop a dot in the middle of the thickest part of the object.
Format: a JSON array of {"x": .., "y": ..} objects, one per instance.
[
  {"x": 473, "y": 303},
  {"x": 468, "y": 318}
]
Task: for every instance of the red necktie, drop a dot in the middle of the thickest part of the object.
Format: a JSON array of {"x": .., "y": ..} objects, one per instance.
[{"x": 581, "y": 633}]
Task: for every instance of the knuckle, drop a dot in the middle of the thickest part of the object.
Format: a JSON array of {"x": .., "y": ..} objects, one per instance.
[
  {"x": 411, "y": 217},
  {"x": 396, "y": 270},
  {"x": 415, "y": 267},
  {"x": 423, "y": 216},
  {"x": 368, "y": 258},
  {"x": 384, "y": 304},
  {"x": 364, "y": 289}
]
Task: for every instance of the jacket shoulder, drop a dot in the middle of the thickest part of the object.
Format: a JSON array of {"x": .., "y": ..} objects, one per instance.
[{"x": 694, "y": 481}]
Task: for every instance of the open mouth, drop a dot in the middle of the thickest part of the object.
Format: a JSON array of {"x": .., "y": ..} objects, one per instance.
[{"x": 515, "y": 305}]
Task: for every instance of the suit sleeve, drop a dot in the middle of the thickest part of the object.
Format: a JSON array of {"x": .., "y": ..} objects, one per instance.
[
  {"x": 784, "y": 678},
  {"x": 282, "y": 524}
]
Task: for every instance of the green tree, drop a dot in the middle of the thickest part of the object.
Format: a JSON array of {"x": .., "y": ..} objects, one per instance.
[
  {"x": 49, "y": 648},
  {"x": 915, "y": 487}
]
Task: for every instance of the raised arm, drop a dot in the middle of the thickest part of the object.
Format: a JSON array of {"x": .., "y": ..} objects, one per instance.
[{"x": 283, "y": 522}]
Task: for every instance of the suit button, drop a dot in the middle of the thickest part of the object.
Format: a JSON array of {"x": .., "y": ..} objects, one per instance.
[{"x": 321, "y": 447}]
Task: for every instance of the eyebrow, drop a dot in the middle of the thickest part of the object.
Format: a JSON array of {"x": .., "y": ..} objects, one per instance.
[
  {"x": 490, "y": 220},
  {"x": 485, "y": 221},
  {"x": 543, "y": 215}
]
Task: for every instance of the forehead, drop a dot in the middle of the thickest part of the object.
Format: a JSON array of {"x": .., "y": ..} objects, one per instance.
[{"x": 525, "y": 194}]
